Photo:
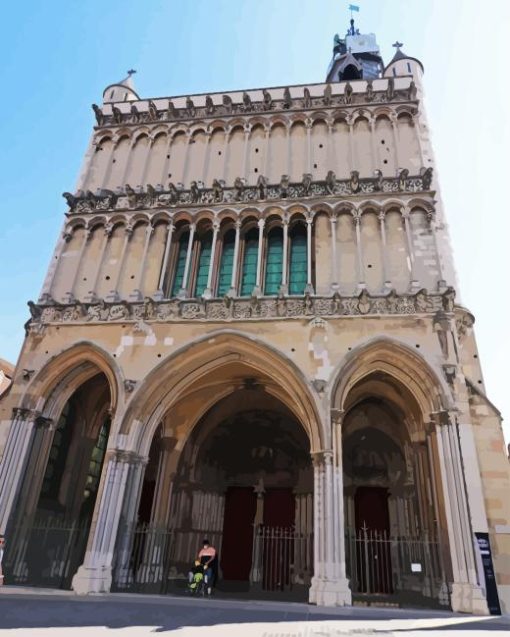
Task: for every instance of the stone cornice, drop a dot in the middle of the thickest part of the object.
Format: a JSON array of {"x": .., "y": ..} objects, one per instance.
[
  {"x": 240, "y": 309},
  {"x": 257, "y": 102},
  {"x": 128, "y": 198}
]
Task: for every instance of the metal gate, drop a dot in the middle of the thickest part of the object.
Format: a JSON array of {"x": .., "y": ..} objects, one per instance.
[
  {"x": 46, "y": 553},
  {"x": 282, "y": 558},
  {"x": 378, "y": 563}
]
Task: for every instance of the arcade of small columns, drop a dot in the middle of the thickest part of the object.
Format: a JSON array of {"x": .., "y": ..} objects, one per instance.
[
  {"x": 385, "y": 138},
  {"x": 348, "y": 248}
]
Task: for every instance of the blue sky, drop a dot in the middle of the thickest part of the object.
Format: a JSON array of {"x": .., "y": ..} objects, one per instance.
[{"x": 58, "y": 56}]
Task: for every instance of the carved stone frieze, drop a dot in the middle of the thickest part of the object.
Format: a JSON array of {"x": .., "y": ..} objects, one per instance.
[
  {"x": 128, "y": 198},
  {"x": 239, "y": 309}
]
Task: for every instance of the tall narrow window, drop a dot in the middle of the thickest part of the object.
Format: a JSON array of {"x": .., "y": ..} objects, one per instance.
[
  {"x": 94, "y": 472},
  {"x": 249, "y": 274},
  {"x": 226, "y": 263},
  {"x": 204, "y": 260},
  {"x": 58, "y": 454},
  {"x": 180, "y": 263},
  {"x": 298, "y": 260},
  {"x": 274, "y": 264}
]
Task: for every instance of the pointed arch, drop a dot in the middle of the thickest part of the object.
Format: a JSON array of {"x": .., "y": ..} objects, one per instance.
[
  {"x": 197, "y": 364},
  {"x": 396, "y": 359}
]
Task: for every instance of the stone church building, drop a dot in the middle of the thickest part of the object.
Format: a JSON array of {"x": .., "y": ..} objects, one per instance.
[{"x": 250, "y": 331}]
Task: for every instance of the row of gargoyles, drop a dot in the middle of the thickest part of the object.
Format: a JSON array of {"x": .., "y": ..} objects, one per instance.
[
  {"x": 218, "y": 187},
  {"x": 267, "y": 104}
]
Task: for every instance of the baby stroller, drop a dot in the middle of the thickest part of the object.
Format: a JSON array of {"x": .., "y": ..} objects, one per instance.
[{"x": 196, "y": 580}]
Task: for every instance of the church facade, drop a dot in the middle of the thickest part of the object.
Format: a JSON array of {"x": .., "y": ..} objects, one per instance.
[{"x": 249, "y": 331}]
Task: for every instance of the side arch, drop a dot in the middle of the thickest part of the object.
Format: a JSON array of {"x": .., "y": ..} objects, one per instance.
[
  {"x": 67, "y": 371},
  {"x": 392, "y": 357}
]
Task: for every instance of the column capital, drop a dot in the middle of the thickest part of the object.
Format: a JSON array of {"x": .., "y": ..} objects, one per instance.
[
  {"x": 122, "y": 456},
  {"x": 337, "y": 416},
  {"x": 441, "y": 418},
  {"x": 261, "y": 223},
  {"x": 20, "y": 413},
  {"x": 324, "y": 456}
]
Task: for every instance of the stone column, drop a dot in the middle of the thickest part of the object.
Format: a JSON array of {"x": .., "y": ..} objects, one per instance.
[
  {"x": 441, "y": 284},
  {"x": 257, "y": 291},
  {"x": 86, "y": 237},
  {"x": 109, "y": 165},
  {"x": 183, "y": 292},
  {"x": 334, "y": 260},
  {"x": 123, "y": 575},
  {"x": 186, "y": 159},
  {"x": 351, "y": 144},
  {"x": 386, "y": 279},
  {"x": 308, "y": 124},
  {"x": 395, "y": 140},
  {"x": 247, "y": 130},
  {"x": 95, "y": 574},
  {"x": 235, "y": 264},
  {"x": 208, "y": 291},
  {"x": 284, "y": 287},
  {"x": 405, "y": 215},
  {"x": 114, "y": 292},
  {"x": 107, "y": 233},
  {"x": 359, "y": 250},
  {"x": 373, "y": 159},
  {"x": 138, "y": 293},
  {"x": 330, "y": 586},
  {"x": 161, "y": 293},
  {"x": 309, "y": 285},
  {"x": 206, "y": 157},
  {"x": 146, "y": 160},
  {"x": 14, "y": 460},
  {"x": 466, "y": 593}
]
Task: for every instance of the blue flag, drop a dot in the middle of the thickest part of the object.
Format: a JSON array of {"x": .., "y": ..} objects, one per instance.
[{"x": 353, "y": 7}]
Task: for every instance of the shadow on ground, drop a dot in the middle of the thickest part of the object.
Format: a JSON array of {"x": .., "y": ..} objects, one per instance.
[{"x": 171, "y": 613}]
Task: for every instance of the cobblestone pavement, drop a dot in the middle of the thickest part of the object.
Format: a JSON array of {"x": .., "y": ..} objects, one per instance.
[{"x": 44, "y": 613}]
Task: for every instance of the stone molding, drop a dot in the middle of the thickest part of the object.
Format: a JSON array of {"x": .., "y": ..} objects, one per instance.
[
  {"x": 239, "y": 309},
  {"x": 147, "y": 112},
  {"x": 127, "y": 198}
]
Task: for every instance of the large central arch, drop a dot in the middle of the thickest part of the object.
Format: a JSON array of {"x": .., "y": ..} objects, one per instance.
[{"x": 210, "y": 368}]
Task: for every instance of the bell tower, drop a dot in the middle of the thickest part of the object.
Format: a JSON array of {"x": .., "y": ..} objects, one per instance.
[{"x": 355, "y": 57}]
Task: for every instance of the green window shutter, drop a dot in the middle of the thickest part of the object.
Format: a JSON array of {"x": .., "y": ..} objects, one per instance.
[
  {"x": 203, "y": 265},
  {"x": 298, "y": 261},
  {"x": 180, "y": 263},
  {"x": 274, "y": 264},
  {"x": 249, "y": 274},
  {"x": 226, "y": 263}
]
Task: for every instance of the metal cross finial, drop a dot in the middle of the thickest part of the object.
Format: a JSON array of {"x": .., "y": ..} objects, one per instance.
[
  {"x": 131, "y": 72},
  {"x": 397, "y": 45}
]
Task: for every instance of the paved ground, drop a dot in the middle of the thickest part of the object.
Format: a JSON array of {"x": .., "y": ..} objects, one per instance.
[{"x": 45, "y": 613}]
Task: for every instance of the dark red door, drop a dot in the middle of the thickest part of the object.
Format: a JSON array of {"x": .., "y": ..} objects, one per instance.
[
  {"x": 278, "y": 546},
  {"x": 237, "y": 546},
  {"x": 373, "y": 548},
  {"x": 371, "y": 508},
  {"x": 279, "y": 507}
]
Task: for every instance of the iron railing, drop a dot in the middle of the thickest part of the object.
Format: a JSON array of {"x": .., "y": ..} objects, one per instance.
[
  {"x": 378, "y": 563},
  {"x": 46, "y": 552},
  {"x": 282, "y": 558}
]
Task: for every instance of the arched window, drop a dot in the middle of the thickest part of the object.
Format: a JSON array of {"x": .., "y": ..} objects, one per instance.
[
  {"x": 249, "y": 274},
  {"x": 226, "y": 263},
  {"x": 204, "y": 260},
  {"x": 298, "y": 260},
  {"x": 274, "y": 263},
  {"x": 180, "y": 262}
]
